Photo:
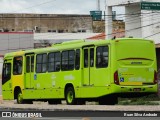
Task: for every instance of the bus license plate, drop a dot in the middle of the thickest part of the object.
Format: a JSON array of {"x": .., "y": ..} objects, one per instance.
[{"x": 137, "y": 89}]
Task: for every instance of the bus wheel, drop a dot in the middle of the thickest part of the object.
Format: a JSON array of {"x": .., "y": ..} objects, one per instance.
[
  {"x": 20, "y": 98},
  {"x": 70, "y": 96}
]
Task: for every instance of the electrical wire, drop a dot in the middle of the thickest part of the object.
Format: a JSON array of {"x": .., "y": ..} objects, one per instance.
[
  {"x": 152, "y": 35},
  {"x": 37, "y": 5}
]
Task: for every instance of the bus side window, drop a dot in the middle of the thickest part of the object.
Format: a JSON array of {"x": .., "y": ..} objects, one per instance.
[
  {"x": 38, "y": 63},
  {"x": 77, "y": 59},
  {"x": 57, "y": 61},
  {"x": 91, "y": 57},
  {"x": 65, "y": 58},
  {"x": 68, "y": 60},
  {"x": 27, "y": 64},
  {"x": 6, "y": 75},
  {"x": 85, "y": 58},
  {"x": 41, "y": 63},
  {"x": 17, "y": 65},
  {"x": 32, "y": 63},
  {"x": 51, "y": 64},
  {"x": 71, "y": 60},
  {"x": 44, "y": 63},
  {"x": 102, "y": 57}
]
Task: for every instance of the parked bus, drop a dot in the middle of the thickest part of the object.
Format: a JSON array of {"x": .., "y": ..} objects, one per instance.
[{"x": 81, "y": 70}]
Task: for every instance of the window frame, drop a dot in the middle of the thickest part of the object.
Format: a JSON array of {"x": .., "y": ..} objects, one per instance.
[
  {"x": 50, "y": 62},
  {"x": 28, "y": 69},
  {"x": 42, "y": 62},
  {"x": 68, "y": 60},
  {"x": 57, "y": 61},
  {"x": 86, "y": 65},
  {"x": 14, "y": 66},
  {"x": 102, "y": 56},
  {"x": 91, "y": 57},
  {"x": 77, "y": 62},
  {"x": 6, "y": 77}
]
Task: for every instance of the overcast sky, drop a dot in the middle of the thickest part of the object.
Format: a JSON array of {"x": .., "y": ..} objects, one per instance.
[{"x": 52, "y": 6}]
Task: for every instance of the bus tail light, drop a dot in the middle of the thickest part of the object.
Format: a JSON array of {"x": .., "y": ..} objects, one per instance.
[
  {"x": 155, "y": 78},
  {"x": 116, "y": 80}
]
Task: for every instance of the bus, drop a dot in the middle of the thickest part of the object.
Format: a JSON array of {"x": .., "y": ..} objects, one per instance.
[{"x": 81, "y": 70}]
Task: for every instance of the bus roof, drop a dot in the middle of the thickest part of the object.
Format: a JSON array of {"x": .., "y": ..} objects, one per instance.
[{"x": 68, "y": 45}]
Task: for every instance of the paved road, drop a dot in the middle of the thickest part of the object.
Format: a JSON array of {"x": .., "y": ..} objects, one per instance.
[
  {"x": 63, "y": 107},
  {"x": 80, "y": 112}
]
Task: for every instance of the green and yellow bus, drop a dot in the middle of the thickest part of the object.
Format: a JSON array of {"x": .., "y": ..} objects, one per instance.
[{"x": 81, "y": 70}]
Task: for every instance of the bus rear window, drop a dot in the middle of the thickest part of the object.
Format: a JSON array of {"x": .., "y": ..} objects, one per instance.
[{"x": 135, "y": 49}]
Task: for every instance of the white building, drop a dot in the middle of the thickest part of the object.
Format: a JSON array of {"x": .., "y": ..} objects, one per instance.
[
  {"x": 14, "y": 41},
  {"x": 50, "y": 38},
  {"x": 142, "y": 23}
]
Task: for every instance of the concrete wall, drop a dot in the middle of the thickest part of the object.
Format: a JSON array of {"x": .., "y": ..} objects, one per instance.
[
  {"x": 152, "y": 21},
  {"x": 133, "y": 20},
  {"x": 15, "y": 41},
  {"x": 45, "y": 22},
  {"x": 120, "y": 2}
]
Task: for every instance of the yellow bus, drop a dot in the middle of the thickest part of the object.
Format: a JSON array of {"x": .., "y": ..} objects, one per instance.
[{"x": 81, "y": 70}]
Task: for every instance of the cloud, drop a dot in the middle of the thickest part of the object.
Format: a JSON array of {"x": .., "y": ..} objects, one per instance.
[{"x": 50, "y": 6}]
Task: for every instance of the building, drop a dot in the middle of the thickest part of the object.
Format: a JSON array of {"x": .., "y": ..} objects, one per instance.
[
  {"x": 43, "y": 23},
  {"x": 141, "y": 18},
  {"x": 118, "y": 28},
  {"x": 14, "y": 41},
  {"x": 55, "y": 25}
]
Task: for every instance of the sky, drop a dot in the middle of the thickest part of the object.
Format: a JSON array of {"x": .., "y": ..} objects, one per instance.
[{"x": 52, "y": 6}]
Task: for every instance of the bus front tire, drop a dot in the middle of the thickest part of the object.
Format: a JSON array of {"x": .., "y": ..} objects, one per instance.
[
  {"x": 20, "y": 97},
  {"x": 70, "y": 96}
]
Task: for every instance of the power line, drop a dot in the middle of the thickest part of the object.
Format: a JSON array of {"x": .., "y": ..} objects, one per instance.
[
  {"x": 129, "y": 20},
  {"x": 144, "y": 19},
  {"x": 34, "y": 6},
  {"x": 152, "y": 35},
  {"x": 137, "y": 28}
]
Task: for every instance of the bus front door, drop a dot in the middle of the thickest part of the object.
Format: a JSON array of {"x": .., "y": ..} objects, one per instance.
[
  {"x": 29, "y": 78},
  {"x": 88, "y": 63}
]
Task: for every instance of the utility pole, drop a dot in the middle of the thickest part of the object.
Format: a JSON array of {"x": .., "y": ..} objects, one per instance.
[
  {"x": 108, "y": 20},
  {"x": 98, "y": 5}
]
